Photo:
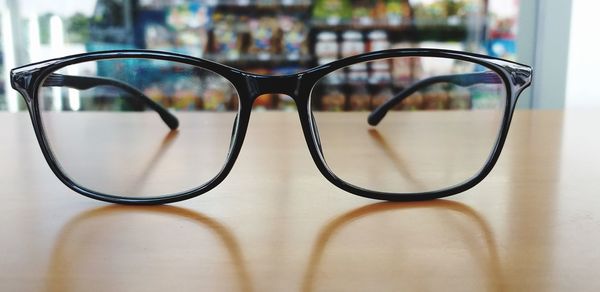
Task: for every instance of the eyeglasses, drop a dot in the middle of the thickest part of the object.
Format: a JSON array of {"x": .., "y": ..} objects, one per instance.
[{"x": 90, "y": 116}]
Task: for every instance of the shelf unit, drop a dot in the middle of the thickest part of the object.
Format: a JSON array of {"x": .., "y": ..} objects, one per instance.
[{"x": 241, "y": 20}]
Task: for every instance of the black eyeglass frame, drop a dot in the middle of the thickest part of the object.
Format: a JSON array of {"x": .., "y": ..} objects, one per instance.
[{"x": 28, "y": 79}]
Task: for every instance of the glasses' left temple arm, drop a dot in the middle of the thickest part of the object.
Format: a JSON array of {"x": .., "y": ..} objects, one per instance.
[
  {"x": 458, "y": 79},
  {"x": 86, "y": 82}
]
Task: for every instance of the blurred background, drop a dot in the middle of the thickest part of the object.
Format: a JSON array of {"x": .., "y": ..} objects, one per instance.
[{"x": 287, "y": 36}]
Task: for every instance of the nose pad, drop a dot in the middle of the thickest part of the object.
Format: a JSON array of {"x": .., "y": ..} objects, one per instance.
[{"x": 317, "y": 136}]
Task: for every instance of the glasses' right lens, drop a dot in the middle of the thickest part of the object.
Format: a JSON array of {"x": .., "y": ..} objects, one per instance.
[
  {"x": 107, "y": 124},
  {"x": 436, "y": 121}
]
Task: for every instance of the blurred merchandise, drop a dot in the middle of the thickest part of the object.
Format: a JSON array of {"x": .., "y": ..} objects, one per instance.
[
  {"x": 190, "y": 22},
  {"x": 483, "y": 98},
  {"x": 380, "y": 72},
  {"x": 359, "y": 97},
  {"x": 262, "y": 32},
  {"x": 412, "y": 103},
  {"x": 352, "y": 43},
  {"x": 381, "y": 95},
  {"x": 327, "y": 46},
  {"x": 501, "y": 34},
  {"x": 441, "y": 12},
  {"x": 362, "y": 11},
  {"x": 226, "y": 40},
  {"x": 332, "y": 11},
  {"x": 295, "y": 35},
  {"x": 435, "y": 98},
  {"x": 334, "y": 99},
  {"x": 286, "y": 36},
  {"x": 460, "y": 98},
  {"x": 378, "y": 41},
  {"x": 157, "y": 37},
  {"x": 405, "y": 71},
  {"x": 396, "y": 11},
  {"x": 502, "y": 48}
]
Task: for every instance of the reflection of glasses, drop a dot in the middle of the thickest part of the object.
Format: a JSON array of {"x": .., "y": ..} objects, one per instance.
[
  {"x": 67, "y": 246},
  {"x": 87, "y": 112},
  {"x": 336, "y": 226}
]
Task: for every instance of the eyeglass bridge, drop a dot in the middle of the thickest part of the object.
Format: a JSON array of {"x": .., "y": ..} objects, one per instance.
[{"x": 282, "y": 84}]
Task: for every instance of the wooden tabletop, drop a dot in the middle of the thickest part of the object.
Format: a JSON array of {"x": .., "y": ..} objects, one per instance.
[{"x": 275, "y": 224}]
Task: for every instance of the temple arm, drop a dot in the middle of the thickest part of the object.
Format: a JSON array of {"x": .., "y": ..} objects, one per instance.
[
  {"x": 84, "y": 82},
  {"x": 458, "y": 79}
]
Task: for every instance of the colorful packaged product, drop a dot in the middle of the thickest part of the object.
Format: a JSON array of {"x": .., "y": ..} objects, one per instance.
[
  {"x": 226, "y": 40},
  {"x": 295, "y": 35},
  {"x": 332, "y": 11},
  {"x": 262, "y": 32}
]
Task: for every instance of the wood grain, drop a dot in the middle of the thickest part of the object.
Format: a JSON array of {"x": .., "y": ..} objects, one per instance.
[{"x": 275, "y": 224}]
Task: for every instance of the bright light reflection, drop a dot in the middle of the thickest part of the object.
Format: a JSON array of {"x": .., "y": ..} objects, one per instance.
[
  {"x": 74, "y": 100},
  {"x": 34, "y": 38},
  {"x": 57, "y": 44},
  {"x": 9, "y": 58}
]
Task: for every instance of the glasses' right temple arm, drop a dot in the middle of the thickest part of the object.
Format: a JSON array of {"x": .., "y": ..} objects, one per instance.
[
  {"x": 86, "y": 82},
  {"x": 458, "y": 79}
]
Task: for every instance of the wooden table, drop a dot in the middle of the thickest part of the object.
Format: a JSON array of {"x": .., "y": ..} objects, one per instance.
[{"x": 275, "y": 224}]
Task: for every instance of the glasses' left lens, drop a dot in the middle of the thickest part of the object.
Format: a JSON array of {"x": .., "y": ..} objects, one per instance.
[
  {"x": 108, "y": 124},
  {"x": 409, "y": 124}
]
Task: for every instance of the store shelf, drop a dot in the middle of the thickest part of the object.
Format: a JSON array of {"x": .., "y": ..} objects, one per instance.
[
  {"x": 260, "y": 36},
  {"x": 235, "y": 6},
  {"x": 257, "y": 8},
  {"x": 347, "y": 25},
  {"x": 252, "y": 59}
]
